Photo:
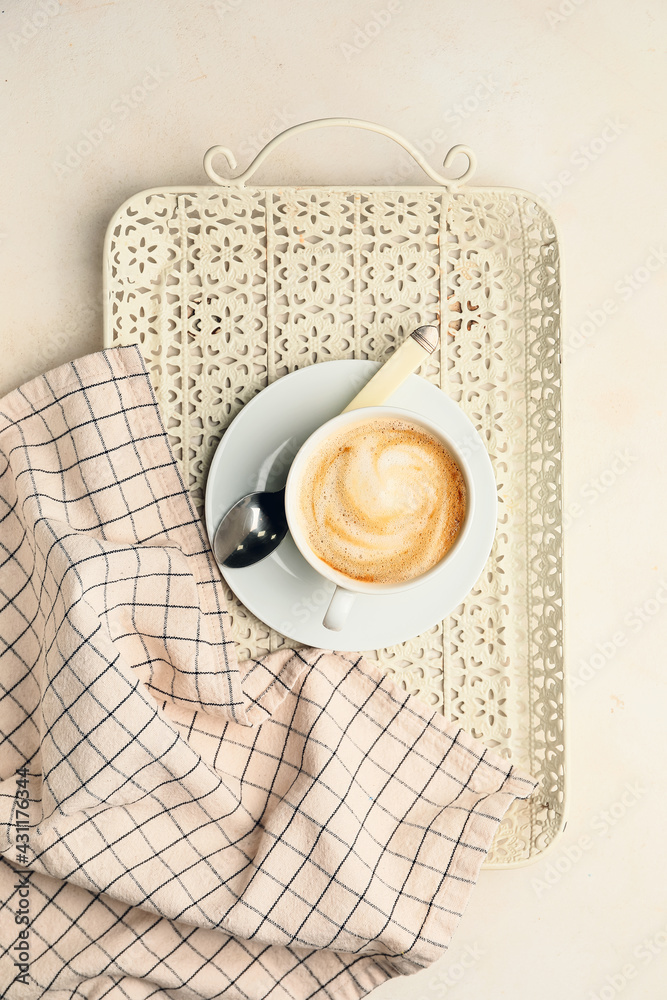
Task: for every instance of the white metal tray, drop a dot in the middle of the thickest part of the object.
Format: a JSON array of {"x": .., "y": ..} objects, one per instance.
[{"x": 228, "y": 287}]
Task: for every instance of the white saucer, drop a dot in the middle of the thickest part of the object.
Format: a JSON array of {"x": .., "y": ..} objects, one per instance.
[{"x": 282, "y": 590}]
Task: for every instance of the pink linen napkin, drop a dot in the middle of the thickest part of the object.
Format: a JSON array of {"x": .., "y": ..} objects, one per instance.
[{"x": 175, "y": 823}]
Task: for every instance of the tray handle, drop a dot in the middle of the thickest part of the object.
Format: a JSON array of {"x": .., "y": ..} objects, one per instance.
[{"x": 239, "y": 181}]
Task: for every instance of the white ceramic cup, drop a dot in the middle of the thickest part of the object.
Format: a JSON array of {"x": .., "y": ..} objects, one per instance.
[{"x": 346, "y": 587}]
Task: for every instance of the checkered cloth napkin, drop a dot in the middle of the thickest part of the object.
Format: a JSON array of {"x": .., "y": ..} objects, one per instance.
[{"x": 174, "y": 823}]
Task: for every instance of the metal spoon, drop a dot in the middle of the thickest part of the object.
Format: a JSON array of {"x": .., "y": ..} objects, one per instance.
[{"x": 257, "y": 524}]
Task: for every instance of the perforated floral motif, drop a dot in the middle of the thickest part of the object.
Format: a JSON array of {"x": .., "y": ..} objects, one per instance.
[{"x": 226, "y": 290}]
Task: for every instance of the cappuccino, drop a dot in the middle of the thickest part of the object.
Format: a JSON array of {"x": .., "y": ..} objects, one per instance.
[{"x": 381, "y": 501}]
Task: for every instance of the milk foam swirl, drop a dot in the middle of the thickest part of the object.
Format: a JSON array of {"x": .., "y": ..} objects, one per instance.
[{"x": 381, "y": 500}]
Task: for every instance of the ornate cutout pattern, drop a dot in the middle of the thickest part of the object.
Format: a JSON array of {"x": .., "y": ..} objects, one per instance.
[{"x": 226, "y": 290}]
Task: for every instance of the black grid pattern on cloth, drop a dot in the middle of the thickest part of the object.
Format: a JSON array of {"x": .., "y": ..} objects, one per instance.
[{"x": 295, "y": 827}]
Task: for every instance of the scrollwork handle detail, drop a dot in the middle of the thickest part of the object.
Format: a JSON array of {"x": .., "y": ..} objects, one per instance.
[{"x": 449, "y": 183}]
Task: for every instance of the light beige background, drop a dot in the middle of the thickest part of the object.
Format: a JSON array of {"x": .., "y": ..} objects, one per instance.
[{"x": 565, "y": 99}]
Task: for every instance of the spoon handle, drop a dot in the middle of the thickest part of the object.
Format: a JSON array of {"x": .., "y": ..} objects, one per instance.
[{"x": 422, "y": 342}]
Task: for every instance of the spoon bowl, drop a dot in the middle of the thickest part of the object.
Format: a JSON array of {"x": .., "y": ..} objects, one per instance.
[{"x": 251, "y": 529}]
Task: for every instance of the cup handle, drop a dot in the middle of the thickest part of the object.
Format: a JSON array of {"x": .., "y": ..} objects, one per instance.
[{"x": 339, "y": 608}]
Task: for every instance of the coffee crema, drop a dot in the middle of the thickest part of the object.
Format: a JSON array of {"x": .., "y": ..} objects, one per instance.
[{"x": 381, "y": 501}]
